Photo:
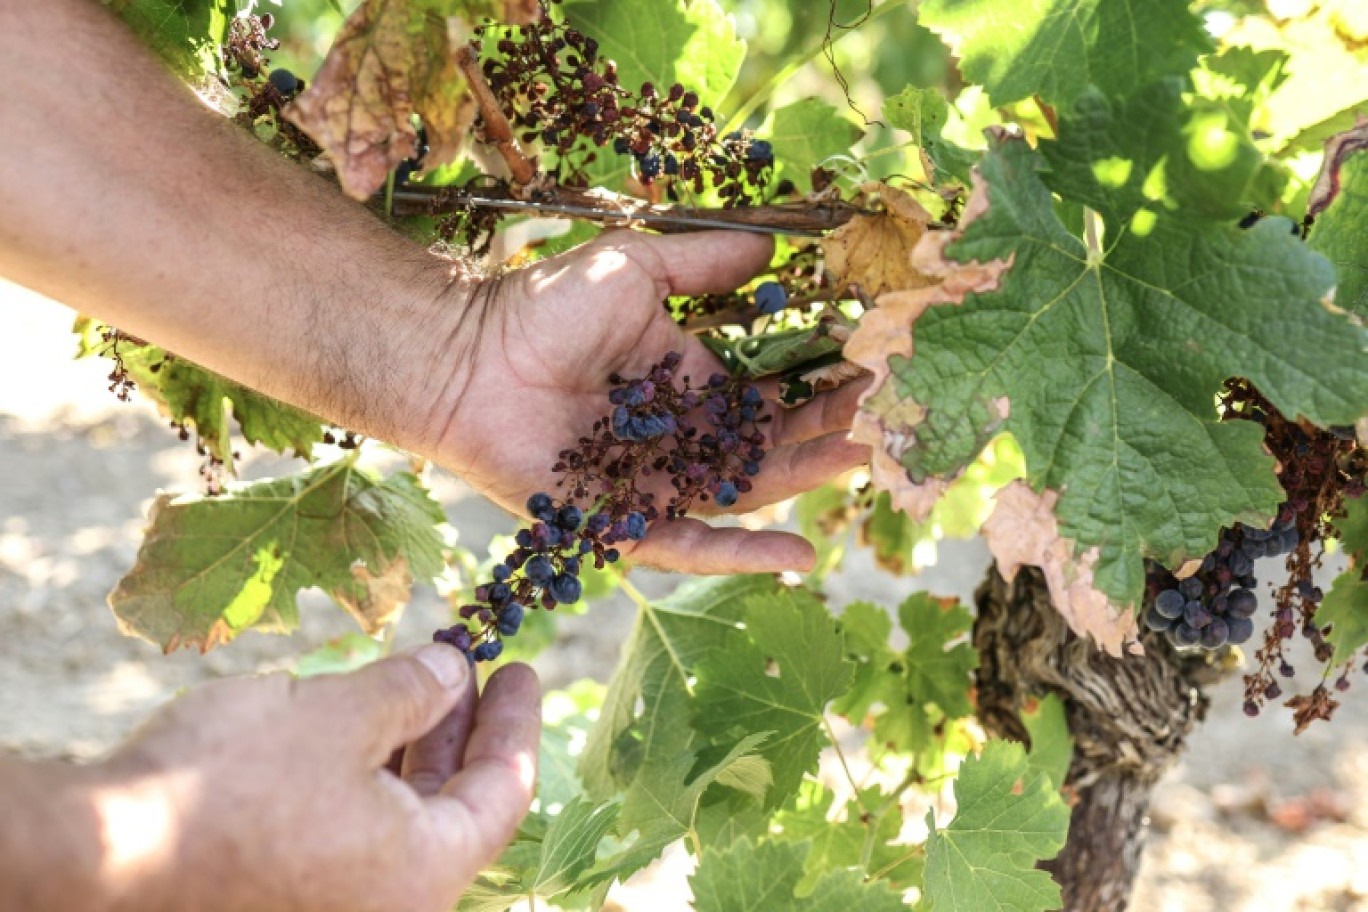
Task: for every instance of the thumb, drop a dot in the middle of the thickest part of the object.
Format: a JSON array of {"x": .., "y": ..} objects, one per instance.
[
  {"x": 392, "y": 702},
  {"x": 703, "y": 262}
]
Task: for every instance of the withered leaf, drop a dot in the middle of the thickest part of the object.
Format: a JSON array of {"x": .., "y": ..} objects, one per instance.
[{"x": 875, "y": 251}]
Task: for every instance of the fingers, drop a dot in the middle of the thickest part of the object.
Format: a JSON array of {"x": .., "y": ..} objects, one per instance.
[
  {"x": 480, "y": 807},
  {"x": 701, "y": 262},
  {"x": 435, "y": 757},
  {"x": 693, "y": 546},
  {"x": 790, "y": 470},
  {"x": 390, "y": 703},
  {"x": 828, "y": 413}
]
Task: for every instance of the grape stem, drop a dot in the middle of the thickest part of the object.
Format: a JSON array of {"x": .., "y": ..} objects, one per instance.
[{"x": 498, "y": 131}]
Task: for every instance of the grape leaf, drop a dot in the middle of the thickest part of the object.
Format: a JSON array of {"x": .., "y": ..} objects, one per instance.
[
  {"x": 764, "y": 877},
  {"x": 1110, "y": 361},
  {"x": 867, "y": 630},
  {"x": 1341, "y": 235},
  {"x": 930, "y": 681},
  {"x": 185, "y": 33},
  {"x": 1346, "y": 604},
  {"x": 1057, "y": 48},
  {"x": 875, "y": 251},
  {"x": 393, "y": 59},
  {"x": 203, "y": 398},
  {"x": 546, "y": 864},
  {"x": 190, "y": 394},
  {"x": 1008, "y": 817},
  {"x": 924, "y": 113},
  {"x": 738, "y": 688},
  {"x": 1128, "y": 159},
  {"x": 664, "y": 42},
  {"x": 662, "y": 804},
  {"x": 667, "y": 639},
  {"x": 1051, "y": 744},
  {"x": 1346, "y": 608},
  {"x": 340, "y": 655},
  {"x": 838, "y": 837},
  {"x": 210, "y": 568},
  {"x": 805, "y": 134}
]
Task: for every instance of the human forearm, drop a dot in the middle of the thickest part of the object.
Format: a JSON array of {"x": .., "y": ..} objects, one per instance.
[{"x": 114, "y": 178}]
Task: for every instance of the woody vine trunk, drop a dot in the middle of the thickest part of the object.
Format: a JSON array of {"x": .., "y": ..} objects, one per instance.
[{"x": 1129, "y": 719}]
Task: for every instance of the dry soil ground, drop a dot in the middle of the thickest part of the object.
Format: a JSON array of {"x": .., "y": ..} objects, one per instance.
[{"x": 1252, "y": 819}]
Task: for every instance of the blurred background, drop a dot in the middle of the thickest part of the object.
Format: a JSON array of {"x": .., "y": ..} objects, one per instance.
[{"x": 1252, "y": 819}]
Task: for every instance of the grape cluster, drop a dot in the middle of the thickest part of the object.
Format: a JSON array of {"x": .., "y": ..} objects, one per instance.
[
  {"x": 1215, "y": 606},
  {"x": 707, "y": 439},
  {"x": 555, "y": 88}
]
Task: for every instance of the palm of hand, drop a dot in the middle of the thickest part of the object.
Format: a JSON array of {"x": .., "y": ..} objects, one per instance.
[{"x": 550, "y": 336}]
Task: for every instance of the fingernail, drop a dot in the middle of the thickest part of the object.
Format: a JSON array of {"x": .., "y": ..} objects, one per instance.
[{"x": 447, "y": 665}]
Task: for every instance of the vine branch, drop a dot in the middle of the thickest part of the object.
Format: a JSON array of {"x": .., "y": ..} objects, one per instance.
[
  {"x": 498, "y": 131},
  {"x": 798, "y": 219}
]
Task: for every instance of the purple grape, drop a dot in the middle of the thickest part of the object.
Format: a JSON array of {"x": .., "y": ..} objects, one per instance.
[{"x": 770, "y": 298}]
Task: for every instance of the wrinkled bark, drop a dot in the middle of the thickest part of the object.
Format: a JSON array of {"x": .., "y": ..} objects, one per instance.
[{"x": 1129, "y": 718}]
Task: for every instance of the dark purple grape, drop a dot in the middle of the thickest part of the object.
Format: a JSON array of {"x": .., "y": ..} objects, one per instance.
[
  {"x": 540, "y": 506},
  {"x": 488, "y": 652},
  {"x": 727, "y": 495},
  {"x": 1156, "y": 621},
  {"x": 770, "y": 298},
  {"x": 565, "y": 589},
  {"x": 1215, "y": 634},
  {"x": 1191, "y": 588},
  {"x": 510, "y": 619},
  {"x": 1239, "y": 630},
  {"x": 539, "y": 571},
  {"x": 283, "y": 81},
  {"x": 1241, "y": 603},
  {"x": 1196, "y": 614},
  {"x": 1170, "y": 603},
  {"x": 1186, "y": 635}
]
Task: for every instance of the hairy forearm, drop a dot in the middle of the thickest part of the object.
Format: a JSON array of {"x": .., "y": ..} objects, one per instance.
[{"x": 123, "y": 196}]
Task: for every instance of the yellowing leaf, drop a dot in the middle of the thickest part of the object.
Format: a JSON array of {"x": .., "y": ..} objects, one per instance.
[
  {"x": 377, "y": 597},
  {"x": 392, "y": 59},
  {"x": 1024, "y": 530},
  {"x": 887, "y": 421},
  {"x": 875, "y": 251}
]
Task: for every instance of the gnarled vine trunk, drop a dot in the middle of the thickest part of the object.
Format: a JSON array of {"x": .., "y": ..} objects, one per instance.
[{"x": 1128, "y": 717}]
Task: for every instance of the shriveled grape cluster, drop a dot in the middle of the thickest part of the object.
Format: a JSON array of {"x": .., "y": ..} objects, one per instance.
[
  {"x": 555, "y": 87},
  {"x": 1318, "y": 469},
  {"x": 706, "y": 439}
]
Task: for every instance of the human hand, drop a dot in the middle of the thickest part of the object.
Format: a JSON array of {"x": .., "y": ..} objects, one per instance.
[
  {"x": 277, "y": 793},
  {"x": 543, "y": 341}
]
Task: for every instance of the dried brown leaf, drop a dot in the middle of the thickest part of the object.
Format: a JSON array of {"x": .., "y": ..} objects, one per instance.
[
  {"x": 886, "y": 422},
  {"x": 381, "y": 596},
  {"x": 1024, "y": 530},
  {"x": 392, "y": 59},
  {"x": 875, "y": 251}
]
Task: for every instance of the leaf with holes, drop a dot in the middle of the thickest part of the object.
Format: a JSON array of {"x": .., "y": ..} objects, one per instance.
[{"x": 777, "y": 677}]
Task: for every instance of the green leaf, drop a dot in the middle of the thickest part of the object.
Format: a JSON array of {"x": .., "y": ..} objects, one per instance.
[
  {"x": 1008, "y": 818},
  {"x": 663, "y": 802},
  {"x": 664, "y": 42},
  {"x": 1153, "y": 153},
  {"x": 764, "y": 877},
  {"x": 839, "y": 837},
  {"x": 1110, "y": 361},
  {"x": 1346, "y": 604},
  {"x": 1346, "y": 608},
  {"x": 203, "y": 400},
  {"x": 1057, "y": 48},
  {"x": 668, "y": 638},
  {"x": 823, "y": 516},
  {"x": 867, "y": 629},
  {"x": 547, "y": 865},
  {"x": 1051, "y": 744},
  {"x": 210, "y": 568},
  {"x": 930, "y": 681},
  {"x": 805, "y": 134},
  {"x": 1341, "y": 235},
  {"x": 773, "y": 353},
  {"x": 186, "y": 33},
  {"x": 924, "y": 113},
  {"x": 567, "y": 717},
  {"x": 893, "y": 536},
  {"x": 778, "y": 677}
]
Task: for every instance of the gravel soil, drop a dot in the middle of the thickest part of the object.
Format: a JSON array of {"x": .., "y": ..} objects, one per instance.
[{"x": 1252, "y": 819}]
